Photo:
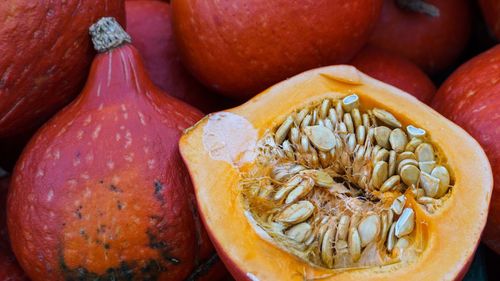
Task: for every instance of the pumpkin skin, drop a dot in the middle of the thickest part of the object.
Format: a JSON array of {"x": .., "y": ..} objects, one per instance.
[
  {"x": 9, "y": 268},
  {"x": 249, "y": 257},
  {"x": 470, "y": 98},
  {"x": 148, "y": 22},
  {"x": 46, "y": 54},
  {"x": 491, "y": 12},
  {"x": 108, "y": 194},
  {"x": 431, "y": 43},
  {"x": 238, "y": 48},
  {"x": 395, "y": 70}
]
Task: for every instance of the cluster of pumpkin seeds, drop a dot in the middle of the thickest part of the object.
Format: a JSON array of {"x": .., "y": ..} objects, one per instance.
[{"x": 331, "y": 184}]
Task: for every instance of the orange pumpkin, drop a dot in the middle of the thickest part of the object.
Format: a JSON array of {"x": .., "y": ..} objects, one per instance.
[
  {"x": 100, "y": 192},
  {"x": 294, "y": 141}
]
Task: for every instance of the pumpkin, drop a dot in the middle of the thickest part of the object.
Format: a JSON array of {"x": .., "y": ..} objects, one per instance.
[
  {"x": 431, "y": 33},
  {"x": 148, "y": 22},
  {"x": 491, "y": 12},
  {"x": 470, "y": 97},
  {"x": 9, "y": 268},
  {"x": 240, "y": 47},
  {"x": 102, "y": 186},
  {"x": 395, "y": 70},
  {"x": 334, "y": 175},
  {"x": 45, "y": 58}
]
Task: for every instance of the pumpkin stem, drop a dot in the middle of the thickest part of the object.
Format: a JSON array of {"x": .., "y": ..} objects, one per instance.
[
  {"x": 107, "y": 34},
  {"x": 419, "y": 6}
]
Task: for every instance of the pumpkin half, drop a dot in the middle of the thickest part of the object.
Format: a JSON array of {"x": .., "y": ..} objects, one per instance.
[{"x": 334, "y": 175}]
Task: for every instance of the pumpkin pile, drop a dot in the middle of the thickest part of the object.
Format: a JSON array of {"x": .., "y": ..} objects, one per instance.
[{"x": 345, "y": 140}]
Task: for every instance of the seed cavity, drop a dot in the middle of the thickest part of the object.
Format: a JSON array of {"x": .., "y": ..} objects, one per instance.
[{"x": 333, "y": 184}]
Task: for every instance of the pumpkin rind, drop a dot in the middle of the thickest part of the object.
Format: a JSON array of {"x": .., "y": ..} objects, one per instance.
[{"x": 215, "y": 173}]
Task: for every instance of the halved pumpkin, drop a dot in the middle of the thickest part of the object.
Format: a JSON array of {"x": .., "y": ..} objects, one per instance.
[{"x": 282, "y": 200}]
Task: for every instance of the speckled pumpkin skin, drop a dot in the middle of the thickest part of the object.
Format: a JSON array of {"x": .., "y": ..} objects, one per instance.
[
  {"x": 45, "y": 55},
  {"x": 101, "y": 192}
]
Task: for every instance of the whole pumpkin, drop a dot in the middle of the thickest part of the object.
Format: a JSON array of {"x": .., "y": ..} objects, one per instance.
[
  {"x": 100, "y": 192},
  {"x": 240, "y": 47},
  {"x": 395, "y": 70},
  {"x": 430, "y": 33},
  {"x": 148, "y": 22},
  {"x": 470, "y": 97},
  {"x": 45, "y": 55}
]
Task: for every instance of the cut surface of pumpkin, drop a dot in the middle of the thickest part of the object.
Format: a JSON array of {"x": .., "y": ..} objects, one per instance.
[{"x": 333, "y": 174}]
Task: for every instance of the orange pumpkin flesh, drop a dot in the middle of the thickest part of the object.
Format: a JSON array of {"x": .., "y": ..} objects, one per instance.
[{"x": 219, "y": 149}]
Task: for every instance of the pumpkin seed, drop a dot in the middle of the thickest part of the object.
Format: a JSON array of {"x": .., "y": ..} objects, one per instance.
[
  {"x": 382, "y": 134},
  {"x": 299, "y": 232},
  {"x": 306, "y": 122},
  {"x": 405, "y": 163},
  {"x": 405, "y": 224},
  {"x": 415, "y": 132},
  {"x": 327, "y": 247},
  {"x": 385, "y": 223},
  {"x": 348, "y": 123},
  {"x": 398, "y": 140},
  {"x": 287, "y": 148},
  {"x": 320, "y": 178},
  {"x": 283, "y": 130},
  {"x": 366, "y": 120},
  {"x": 300, "y": 191},
  {"x": 320, "y": 137},
  {"x": 429, "y": 183},
  {"x": 351, "y": 142},
  {"x": 380, "y": 172},
  {"x": 332, "y": 115},
  {"x": 369, "y": 229},
  {"x": 354, "y": 244},
  {"x": 441, "y": 173},
  {"x": 413, "y": 144},
  {"x": 424, "y": 152},
  {"x": 401, "y": 245},
  {"x": 329, "y": 124},
  {"x": 289, "y": 186},
  {"x": 390, "y": 183},
  {"x": 398, "y": 204},
  {"x": 427, "y": 166},
  {"x": 340, "y": 110},
  {"x": 356, "y": 117},
  {"x": 341, "y": 129},
  {"x": 299, "y": 117},
  {"x": 391, "y": 237},
  {"x": 361, "y": 134},
  {"x": 325, "y": 106},
  {"x": 392, "y": 162},
  {"x": 342, "y": 227},
  {"x": 405, "y": 155},
  {"x": 296, "y": 213},
  {"x": 410, "y": 175},
  {"x": 295, "y": 136},
  {"x": 386, "y": 117},
  {"x": 382, "y": 155},
  {"x": 350, "y": 102}
]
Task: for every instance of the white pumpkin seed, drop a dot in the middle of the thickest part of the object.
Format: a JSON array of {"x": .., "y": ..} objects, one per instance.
[
  {"x": 390, "y": 183},
  {"x": 369, "y": 229},
  {"x": 398, "y": 140},
  {"x": 382, "y": 134},
  {"x": 299, "y": 232},
  {"x": 441, "y": 173},
  {"x": 296, "y": 213},
  {"x": 380, "y": 172},
  {"x": 425, "y": 152},
  {"x": 350, "y": 102},
  {"x": 410, "y": 175},
  {"x": 354, "y": 244},
  {"x": 283, "y": 130},
  {"x": 415, "y": 132},
  {"x": 386, "y": 117},
  {"x": 398, "y": 204},
  {"x": 429, "y": 183},
  {"x": 405, "y": 223}
]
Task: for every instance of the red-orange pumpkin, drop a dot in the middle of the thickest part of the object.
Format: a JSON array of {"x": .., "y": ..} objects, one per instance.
[
  {"x": 100, "y": 192},
  {"x": 470, "y": 97},
  {"x": 240, "y": 47},
  {"x": 45, "y": 55}
]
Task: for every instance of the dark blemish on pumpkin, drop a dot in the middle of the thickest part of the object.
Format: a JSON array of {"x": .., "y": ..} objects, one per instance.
[
  {"x": 158, "y": 188},
  {"x": 126, "y": 271},
  {"x": 84, "y": 234},
  {"x": 101, "y": 229},
  {"x": 115, "y": 188},
  {"x": 162, "y": 247},
  {"x": 107, "y": 246},
  {"x": 101, "y": 182},
  {"x": 203, "y": 268},
  {"x": 98, "y": 242},
  {"x": 78, "y": 212},
  {"x": 119, "y": 205}
]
